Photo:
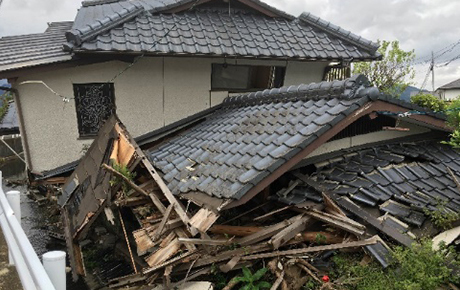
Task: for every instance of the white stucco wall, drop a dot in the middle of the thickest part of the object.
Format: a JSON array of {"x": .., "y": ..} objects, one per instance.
[
  {"x": 449, "y": 94},
  {"x": 153, "y": 93}
]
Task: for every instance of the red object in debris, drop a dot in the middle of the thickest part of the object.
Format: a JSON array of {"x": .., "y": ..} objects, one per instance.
[{"x": 326, "y": 278}]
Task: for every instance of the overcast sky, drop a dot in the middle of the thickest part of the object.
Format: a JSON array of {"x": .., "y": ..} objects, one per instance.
[{"x": 423, "y": 25}]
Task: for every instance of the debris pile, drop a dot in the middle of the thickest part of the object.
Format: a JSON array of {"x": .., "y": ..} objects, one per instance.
[{"x": 170, "y": 241}]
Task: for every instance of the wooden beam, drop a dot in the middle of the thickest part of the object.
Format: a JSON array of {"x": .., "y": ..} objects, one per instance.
[
  {"x": 125, "y": 179},
  {"x": 178, "y": 207},
  {"x": 301, "y": 251},
  {"x": 267, "y": 232},
  {"x": 160, "y": 228},
  {"x": 288, "y": 233}
]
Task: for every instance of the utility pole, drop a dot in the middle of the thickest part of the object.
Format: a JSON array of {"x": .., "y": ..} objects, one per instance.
[{"x": 432, "y": 70}]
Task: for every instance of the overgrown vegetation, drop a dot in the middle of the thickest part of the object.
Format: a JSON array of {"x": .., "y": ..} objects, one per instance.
[
  {"x": 123, "y": 170},
  {"x": 6, "y": 98},
  {"x": 415, "y": 268},
  {"x": 429, "y": 101},
  {"x": 393, "y": 73},
  {"x": 442, "y": 217},
  {"x": 252, "y": 281},
  {"x": 453, "y": 120}
]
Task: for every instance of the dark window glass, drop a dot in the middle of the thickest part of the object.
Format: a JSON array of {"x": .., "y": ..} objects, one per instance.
[
  {"x": 94, "y": 104},
  {"x": 246, "y": 78}
]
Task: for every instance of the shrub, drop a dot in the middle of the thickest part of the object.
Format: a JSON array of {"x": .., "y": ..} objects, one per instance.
[
  {"x": 429, "y": 101},
  {"x": 415, "y": 268}
]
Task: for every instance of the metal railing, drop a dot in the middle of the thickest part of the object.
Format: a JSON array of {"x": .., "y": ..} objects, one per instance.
[{"x": 31, "y": 272}]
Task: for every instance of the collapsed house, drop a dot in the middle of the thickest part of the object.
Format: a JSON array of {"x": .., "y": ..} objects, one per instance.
[{"x": 260, "y": 177}]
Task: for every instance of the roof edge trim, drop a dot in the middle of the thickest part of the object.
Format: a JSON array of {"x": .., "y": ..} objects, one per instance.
[
  {"x": 339, "y": 32},
  {"x": 78, "y": 36}
]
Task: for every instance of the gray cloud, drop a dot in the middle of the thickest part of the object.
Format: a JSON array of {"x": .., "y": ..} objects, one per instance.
[{"x": 422, "y": 25}]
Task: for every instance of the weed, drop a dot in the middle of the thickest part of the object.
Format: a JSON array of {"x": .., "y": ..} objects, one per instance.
[
  {"x": 415, "y": 268},
  {"x": 123, "y": 170},
  {"x": 442, "y": 217},
  {"x": 251, "y": 281}
]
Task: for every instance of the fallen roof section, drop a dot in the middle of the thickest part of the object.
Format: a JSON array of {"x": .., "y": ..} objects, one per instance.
[{"x": 252, "y": 139}]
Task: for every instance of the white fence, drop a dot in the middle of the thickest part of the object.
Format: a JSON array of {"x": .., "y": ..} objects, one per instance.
[{"x": 31, "y": 272}]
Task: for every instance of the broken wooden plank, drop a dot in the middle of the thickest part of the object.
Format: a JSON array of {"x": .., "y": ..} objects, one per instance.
[
  {"x": 272, "y": 213},
  {"x": 327, "y": 218},
  {"x": 319, "y": 238},
  {"x": 125, "y": 281},
  {"x": 210, "y": 242},
  {"x": 204, "y": 219},
  {"x": 178, "y": 207},
  {"x": 267, "y": 232},
  {"x": 227, "y": 255},
  {"x": 289, "y": 232},
  {"x": 163, "y": 254},
  {"x": 160, "y": 228},
  {"x": 172, "y": 261},
  {"x": 331, "y": 206},
  {"x": 370, "y": 241},
  {"x": 230, "y": 264},
  {"x": 234, "y": 230},
  {"x": 143, "y": 242},
  {"x": 132, "y": 201},
  {"x": 168, "y": 239}
]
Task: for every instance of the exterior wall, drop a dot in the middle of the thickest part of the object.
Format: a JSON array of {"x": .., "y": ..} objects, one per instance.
[
  {"x": 155, "y": 92},
  {"x": 448, "y": 95}
]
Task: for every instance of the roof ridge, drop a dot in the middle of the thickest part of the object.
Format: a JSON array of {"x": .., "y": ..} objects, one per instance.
[
  {"x": 77, "y": 36},
  {"x": 98, "y": 2},
  {"x": 338, "y": 31},
  {"x": 354, "y": 87}
]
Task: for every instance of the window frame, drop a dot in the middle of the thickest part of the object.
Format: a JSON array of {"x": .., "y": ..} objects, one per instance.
[
  {"x": 77, "y": 87},
  {"x": 251, "y": 88}
]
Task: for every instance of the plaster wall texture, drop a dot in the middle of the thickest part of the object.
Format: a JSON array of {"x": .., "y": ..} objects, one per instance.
[
  {"x": 449, "y": 94},
  {"x": 155, "y": 92}
]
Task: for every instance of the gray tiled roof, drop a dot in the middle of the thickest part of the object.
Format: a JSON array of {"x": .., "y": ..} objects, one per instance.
[
  {"x": 34, "y": 49},
  {"x": 452, "y": 85},
  {"x": 210, "y": 32},
  {"x": 252, "y": 135},
  {"x": 400, "y": 179}
]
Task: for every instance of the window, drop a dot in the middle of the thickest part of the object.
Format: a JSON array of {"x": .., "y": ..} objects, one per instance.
[
  {"x": 94, "y": 104},
  {"x": 246, "y": 78}
]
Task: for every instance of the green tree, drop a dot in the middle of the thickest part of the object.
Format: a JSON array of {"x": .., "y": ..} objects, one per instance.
[
  {"x": 429, "y": 101},
  {"x": 393, "y": 73}
]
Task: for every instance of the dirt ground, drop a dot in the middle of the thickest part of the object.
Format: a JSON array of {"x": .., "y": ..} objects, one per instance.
[{"x": 9, "y": 279}]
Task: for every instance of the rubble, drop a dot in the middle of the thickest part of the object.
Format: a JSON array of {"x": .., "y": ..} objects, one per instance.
[{"x": 171, "y": 243}]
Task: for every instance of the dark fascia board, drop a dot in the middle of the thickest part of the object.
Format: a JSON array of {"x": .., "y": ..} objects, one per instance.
[
  {"x": 340, "y": 33},
  {"x": 79, "y": 51}
]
